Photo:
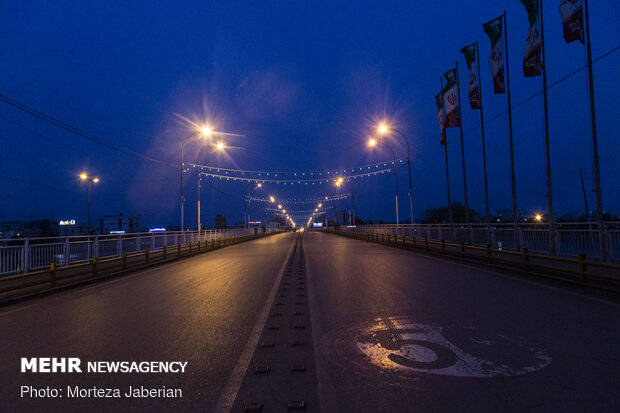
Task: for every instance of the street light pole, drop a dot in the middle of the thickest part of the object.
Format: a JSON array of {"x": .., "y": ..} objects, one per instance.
[
  {"x": 395, "y": 177},
  {"x": 181, "y": 166},
  {"x": 199, "y": 227},
  {"x": 409, "y": 169},
  {"x": 205, "y": 131},
  {"x": 85, "y": 177},
  {"x": 246, "y": 202},
  {"x": 90, "y": 183}
]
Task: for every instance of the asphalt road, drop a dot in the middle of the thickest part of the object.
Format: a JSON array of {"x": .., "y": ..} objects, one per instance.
[
  {"x": 200, "y": 310},
  {"x": 520, "y": 346},
  {"x": 384, "y": 330}
]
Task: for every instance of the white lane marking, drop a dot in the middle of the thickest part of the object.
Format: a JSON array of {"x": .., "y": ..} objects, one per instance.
[
  {"x": 227, "y": 398},
  {"x": 326, "y": 391}
]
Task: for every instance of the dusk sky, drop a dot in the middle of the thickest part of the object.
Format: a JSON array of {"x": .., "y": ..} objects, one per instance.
[{"x": 303, "y": 83}]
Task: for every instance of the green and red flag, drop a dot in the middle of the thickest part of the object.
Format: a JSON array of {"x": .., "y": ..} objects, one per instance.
[
  {"x": 532, "y": 62},
  {"x": 475, "y": 100},
  {"x": 493, "y": 29},
  {"x": 440, "y": 117},
  {"x": 571, "y": 12},
  {"x": 451, "y": 100}
]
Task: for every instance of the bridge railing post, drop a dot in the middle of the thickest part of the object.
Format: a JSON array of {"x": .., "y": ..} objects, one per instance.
[
  {"x": 96, "y": 246},
  {"x": 119, "y": 245},
  {"x": 67, "y": 252},
  {"x": 26, "y": 256}
]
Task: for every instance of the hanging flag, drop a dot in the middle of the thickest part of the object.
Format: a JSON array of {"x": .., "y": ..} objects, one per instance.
[
  {"x": 440, "y": 117},
  {"x": 451, "y": 100},
  {"x": 493, "y": 29},
  {"x": 532, "y": 63},
  {"x": 475, "y": 100},
  {"x": 571, "y": 12}
]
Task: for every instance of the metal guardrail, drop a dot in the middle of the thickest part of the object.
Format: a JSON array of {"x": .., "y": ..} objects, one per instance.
[
  {"x": 54, "y": 276},
  {"x": 572, "y": 238},
  {"x": 24, "y": 255},
  {"x": 603, "y": 275}
]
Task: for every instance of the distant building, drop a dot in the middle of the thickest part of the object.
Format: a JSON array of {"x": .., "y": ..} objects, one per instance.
[
  {"x": 118, "y": 223},
  {"x": 220, "y": 222},
  {"x": 28, "y": 229},
  {"x": 68, "y": 228}
]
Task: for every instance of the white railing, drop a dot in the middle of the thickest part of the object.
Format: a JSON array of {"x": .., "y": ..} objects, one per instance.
[
  {"x": 572, "y": 238},
  {"x": 28, "y": 254}
]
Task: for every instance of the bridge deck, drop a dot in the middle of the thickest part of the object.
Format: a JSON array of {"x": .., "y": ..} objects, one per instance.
[{"x": 386, "y": 330}]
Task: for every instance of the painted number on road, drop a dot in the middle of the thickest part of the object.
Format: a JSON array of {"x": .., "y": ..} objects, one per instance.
[{"x": 401, "y": 344}]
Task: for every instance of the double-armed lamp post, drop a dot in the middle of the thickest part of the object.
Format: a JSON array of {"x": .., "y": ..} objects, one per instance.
[
  {"x": 84, "y": 177},
  {"x": 246, "y": 199},
  {"x": 372, "y": 143},
  {"x": 204, "y": 132},
  {"x": 384, "y": 129}
]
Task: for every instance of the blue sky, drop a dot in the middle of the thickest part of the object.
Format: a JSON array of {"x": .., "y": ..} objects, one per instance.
[{"x": 303, "y": 82}]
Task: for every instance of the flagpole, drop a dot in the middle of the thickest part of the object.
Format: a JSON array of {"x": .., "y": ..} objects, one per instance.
[
  {"x": 458, "y": 89},
  {"x": 552, "y": 245},
  {"x": 513, "y": 179},
  {"x": 597, "y": 173},
  {"x": 484, "y": 152},
  {"x": 443, "y": 108}
]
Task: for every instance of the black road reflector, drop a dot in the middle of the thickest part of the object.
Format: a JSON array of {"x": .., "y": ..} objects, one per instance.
[
  {"x": 253, "y": 407},
  {"x": 262, "y": 369},
  {"x": 297, "y": 405},
  {"x": 298, "y": 367}
]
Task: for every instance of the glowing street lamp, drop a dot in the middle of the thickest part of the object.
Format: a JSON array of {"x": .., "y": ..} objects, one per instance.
[
  {"x": 84, "y": 177},
  {"x": 384, "y": 129},
  {"x": 538, "y": 217},
  {"x": 272, "y": 199}
]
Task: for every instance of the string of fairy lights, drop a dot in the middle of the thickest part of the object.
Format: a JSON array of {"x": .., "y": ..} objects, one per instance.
[
  {"x": 280, "y": 209},
  {"x": 285, "y": 206},
  {"x": 294, "y": 181},
  {"x": 303, "y": 200},
  {"x": 341, "y": 171}
]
